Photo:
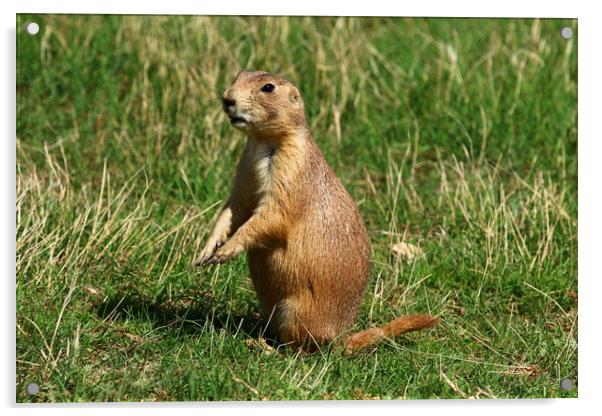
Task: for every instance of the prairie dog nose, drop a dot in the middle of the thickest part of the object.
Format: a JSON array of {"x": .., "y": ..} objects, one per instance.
[{"x": 227, "y": 103}]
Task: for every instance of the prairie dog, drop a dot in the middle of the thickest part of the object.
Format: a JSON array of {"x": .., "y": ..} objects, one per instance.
[{"x": 308, "y": 249}]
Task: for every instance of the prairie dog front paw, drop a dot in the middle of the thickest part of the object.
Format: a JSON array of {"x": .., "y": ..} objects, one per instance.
[
  {"x": 227, "y": 252},
  {"x": 210, "y": 248}
]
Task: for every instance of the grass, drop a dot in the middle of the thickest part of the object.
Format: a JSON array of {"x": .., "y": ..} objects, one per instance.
[{"x": 455, "y": 135}]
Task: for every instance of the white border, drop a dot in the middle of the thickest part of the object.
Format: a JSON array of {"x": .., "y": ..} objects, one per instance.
[
  {"x": 506, "y": 8},
  {"x": 590, "y": 134}
]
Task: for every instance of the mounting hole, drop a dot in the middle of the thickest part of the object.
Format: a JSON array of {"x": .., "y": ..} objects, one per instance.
[
  {"x": 566, "y": 384},
  {"x": 32, "y": 389},
  {"x": 566, "y": 32},
  {"x": 32, "y": 28}
]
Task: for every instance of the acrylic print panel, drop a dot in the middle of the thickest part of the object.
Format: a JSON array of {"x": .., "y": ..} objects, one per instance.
[{"x": 455, "y": 138}]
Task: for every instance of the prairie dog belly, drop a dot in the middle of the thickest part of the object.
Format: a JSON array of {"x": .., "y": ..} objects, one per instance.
[
  {"x": 271, "y": 277},
  {"x": 309, "y": 281}
]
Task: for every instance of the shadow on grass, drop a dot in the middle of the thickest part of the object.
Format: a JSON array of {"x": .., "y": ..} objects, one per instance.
[
  {"x": 193, "y": 314},
  {"x": 188, "y": 315}
]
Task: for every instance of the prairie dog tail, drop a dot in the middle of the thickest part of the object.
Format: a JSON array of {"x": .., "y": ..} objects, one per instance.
[{"x": 373, "y": 336}]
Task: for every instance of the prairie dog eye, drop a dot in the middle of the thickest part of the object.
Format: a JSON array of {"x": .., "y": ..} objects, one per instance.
[{"x": 268, "y": 87}]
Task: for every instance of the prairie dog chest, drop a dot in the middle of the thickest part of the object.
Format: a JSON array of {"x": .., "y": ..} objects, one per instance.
[{"x": 262, "y": 161}]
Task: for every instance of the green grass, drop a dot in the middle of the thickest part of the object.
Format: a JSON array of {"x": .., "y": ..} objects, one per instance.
[{"x": 456, "y": 135}]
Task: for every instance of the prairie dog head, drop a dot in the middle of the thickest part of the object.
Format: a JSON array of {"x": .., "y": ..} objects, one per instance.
[{"x": 264, "y": 105}]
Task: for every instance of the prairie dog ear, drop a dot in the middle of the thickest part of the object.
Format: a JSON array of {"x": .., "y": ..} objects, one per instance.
[
  {"x": 295, "y": 96},
  {"x": 240, "y": 74}
]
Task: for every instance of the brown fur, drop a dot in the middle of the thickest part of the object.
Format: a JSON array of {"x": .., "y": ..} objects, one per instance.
[
  {"x": 308, "y": 249},
  {"x": 401, "y": 325}
]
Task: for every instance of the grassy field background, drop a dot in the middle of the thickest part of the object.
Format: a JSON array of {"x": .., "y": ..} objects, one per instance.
[{"x": 457, "y": 136}]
